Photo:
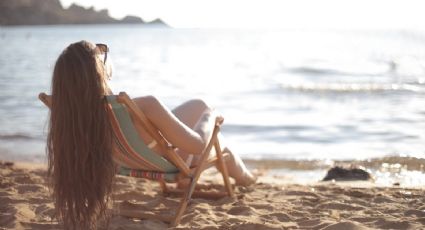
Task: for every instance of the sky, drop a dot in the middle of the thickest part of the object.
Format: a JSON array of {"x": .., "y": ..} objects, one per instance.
[{"x": 315, "y": 14}]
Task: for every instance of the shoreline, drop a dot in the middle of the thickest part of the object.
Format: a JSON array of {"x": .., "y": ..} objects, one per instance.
[
  {"x": 272, "y": 203},
  {"x": 408, "y": 172},
  {"x": 406, "y": 162}
]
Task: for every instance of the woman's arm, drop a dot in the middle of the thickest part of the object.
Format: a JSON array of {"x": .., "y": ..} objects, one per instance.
[{"x": 189, "y": 140}]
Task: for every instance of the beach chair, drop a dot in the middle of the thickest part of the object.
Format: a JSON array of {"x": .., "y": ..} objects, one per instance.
[{"x": 136, "y": 159}]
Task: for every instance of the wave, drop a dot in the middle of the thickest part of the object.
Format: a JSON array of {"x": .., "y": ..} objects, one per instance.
[
  {"x": 16, "y": 137},
  {"x": 396, "y": 67},
  {"x": 353, "y": 87},
  {"x": 389, "y": 163},
  {"x": 315, "y": 71},
  {"x": 243, "y": 128},
  {"x": 377, "y": 69}
]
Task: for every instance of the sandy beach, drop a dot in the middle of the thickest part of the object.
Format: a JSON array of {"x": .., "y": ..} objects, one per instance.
[{"x": 272, "y": 203}]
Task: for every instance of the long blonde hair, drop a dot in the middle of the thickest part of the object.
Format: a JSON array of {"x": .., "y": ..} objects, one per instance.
[{"x": 79, "y": 142}]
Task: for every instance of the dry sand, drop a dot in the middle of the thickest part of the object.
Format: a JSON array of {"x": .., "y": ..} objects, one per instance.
[{"x": 270, "y": 204}]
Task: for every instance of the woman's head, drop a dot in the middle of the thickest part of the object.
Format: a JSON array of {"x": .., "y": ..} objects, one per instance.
[
  {"x": 86, "y": 62},
  {"x": 79, "y": 143}
]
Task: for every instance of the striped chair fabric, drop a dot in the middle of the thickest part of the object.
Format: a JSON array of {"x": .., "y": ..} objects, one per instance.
[{"x": 134, "y": 156}]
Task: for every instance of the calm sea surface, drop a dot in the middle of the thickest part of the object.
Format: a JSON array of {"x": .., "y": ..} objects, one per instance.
[{"x": 285, "y": 94}]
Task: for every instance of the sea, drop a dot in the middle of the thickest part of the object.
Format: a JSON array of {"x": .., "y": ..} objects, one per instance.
[{"x": 308, "y": 96}]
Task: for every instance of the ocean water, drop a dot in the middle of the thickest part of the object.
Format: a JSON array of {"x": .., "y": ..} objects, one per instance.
[{"x": 285, "y": 94}]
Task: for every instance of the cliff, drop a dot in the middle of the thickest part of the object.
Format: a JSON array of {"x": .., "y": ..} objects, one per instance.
[{"x": 50, "y": 12}]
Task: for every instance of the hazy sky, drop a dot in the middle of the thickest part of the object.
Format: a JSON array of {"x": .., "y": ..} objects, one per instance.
[{"x": 369, "y": 14}]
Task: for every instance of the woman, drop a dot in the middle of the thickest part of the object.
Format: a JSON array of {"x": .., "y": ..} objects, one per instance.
[{"x": 79, "y": 143}]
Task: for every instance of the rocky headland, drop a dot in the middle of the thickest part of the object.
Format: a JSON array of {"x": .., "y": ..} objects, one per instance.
[{"x": 51, "y": 12}]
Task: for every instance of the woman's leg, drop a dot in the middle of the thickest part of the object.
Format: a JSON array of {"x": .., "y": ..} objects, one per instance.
[
  {"x": 235, "y": 166},
  {"x": 189, "y": 113}
]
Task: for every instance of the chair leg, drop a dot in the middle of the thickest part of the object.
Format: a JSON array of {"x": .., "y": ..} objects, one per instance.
[
  {"x": 223, "y": 168},
  {"x": 184, "y": 202},
  {"x": 195, "y": 177},
  {"x": 164, "y": 188}
]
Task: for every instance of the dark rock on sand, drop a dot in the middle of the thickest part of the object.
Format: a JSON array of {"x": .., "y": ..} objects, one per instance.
[
  {"x": 340, "y": 173},
  {"x": 6, "y": 163}
]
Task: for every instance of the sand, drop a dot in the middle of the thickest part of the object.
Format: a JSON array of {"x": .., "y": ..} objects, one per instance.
[{"x": 25, "y": 203}]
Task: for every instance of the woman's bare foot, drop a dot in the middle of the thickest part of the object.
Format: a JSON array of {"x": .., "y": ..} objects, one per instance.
[{"x": 247, "y": 179}]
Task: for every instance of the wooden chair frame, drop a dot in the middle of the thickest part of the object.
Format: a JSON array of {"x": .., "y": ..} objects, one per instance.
[{"x": 185, "y": 172}]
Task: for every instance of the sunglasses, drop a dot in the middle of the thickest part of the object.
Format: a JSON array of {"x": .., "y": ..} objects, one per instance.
[{"x": 104, "y": 49}]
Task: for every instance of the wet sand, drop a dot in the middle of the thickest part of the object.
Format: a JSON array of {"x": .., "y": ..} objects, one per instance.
[{"x": 272, "y": 203}]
